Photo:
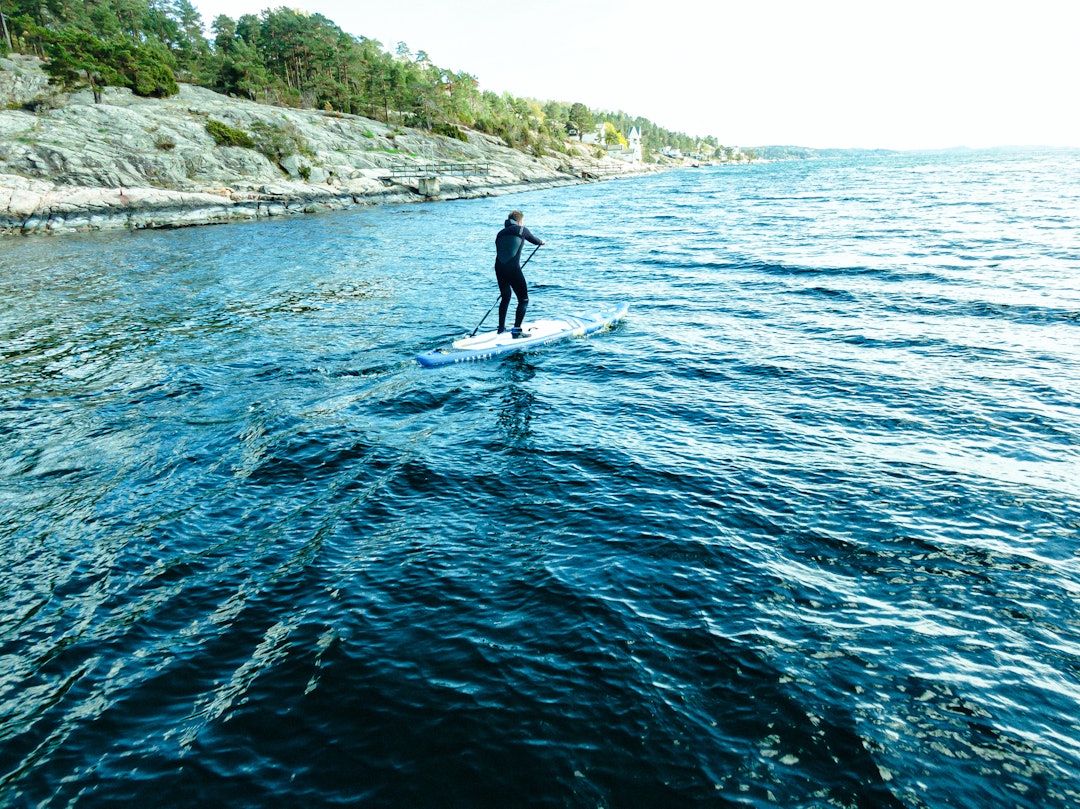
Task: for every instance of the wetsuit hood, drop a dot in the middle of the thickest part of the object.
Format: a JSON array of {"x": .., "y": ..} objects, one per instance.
[{"x": 509, "y": 222}]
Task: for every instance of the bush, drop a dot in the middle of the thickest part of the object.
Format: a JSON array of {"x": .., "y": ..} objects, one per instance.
[
  {"x": 449, "y": 130},
  {"x": 278, "y": 141},
  {"x": 225, "y": 135},
  {"x": 148, "y": 76}
]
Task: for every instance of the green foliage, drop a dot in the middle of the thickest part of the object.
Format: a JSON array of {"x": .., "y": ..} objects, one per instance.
[
  {"x": 580, "y": 120},
  {"x": 144, "y": 68},
  {"x": 612, "y": 136},
  {"x": 449, "y": 130},
  {"x": 225, "y": 135},
  {"x": 278, "y": 141},
  {"x": 77, "y": 57},
  {"x": 238, "y": 68}
]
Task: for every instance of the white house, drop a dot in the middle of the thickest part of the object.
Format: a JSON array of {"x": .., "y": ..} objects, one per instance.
[{"x": 632, "y": 152}]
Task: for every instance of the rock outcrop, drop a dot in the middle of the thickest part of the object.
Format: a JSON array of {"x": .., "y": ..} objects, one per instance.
[
  {"x": 21, "y": 80},
  {"x": 67, "y": 163}
]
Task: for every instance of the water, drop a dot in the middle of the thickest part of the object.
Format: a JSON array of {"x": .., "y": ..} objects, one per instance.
[{"x": 801, "y": 531}]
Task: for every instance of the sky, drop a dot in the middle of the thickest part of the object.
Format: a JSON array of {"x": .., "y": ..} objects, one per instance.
[{"x": 816, "y": 73}]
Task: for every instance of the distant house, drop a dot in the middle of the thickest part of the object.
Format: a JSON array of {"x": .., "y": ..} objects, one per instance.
[
  {"x": 631, "y": 153},
  {"x": 594, "y": 137}
]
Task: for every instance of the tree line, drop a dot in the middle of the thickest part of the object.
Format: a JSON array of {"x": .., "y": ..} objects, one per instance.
[{"x": 289, "y": 58}]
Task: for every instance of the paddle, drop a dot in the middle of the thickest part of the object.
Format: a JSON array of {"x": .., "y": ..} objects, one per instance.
[{"x": 489, "y": 311}]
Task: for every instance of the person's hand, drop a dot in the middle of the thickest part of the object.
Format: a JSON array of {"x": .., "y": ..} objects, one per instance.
[{"x": 542, "y": 242}]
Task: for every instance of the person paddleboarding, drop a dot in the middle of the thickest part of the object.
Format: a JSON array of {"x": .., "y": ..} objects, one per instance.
[{"x": 508, "y": 245}]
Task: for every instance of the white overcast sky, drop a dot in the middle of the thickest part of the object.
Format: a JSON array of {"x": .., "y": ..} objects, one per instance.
[{"x": 834, "y": 73}]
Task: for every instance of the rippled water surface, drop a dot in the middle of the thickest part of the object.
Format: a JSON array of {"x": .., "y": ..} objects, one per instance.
[{"x": 801, "y": 531}]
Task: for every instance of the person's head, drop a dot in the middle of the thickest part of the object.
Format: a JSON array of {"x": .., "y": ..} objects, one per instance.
[{"x": 517, "y": 216}]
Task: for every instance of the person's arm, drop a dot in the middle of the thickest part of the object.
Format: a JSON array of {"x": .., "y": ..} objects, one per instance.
[{"x": 526, "y": 234}]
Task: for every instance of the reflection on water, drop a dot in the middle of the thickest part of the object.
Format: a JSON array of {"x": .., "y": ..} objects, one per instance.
[{"x": 516, "y": 401}]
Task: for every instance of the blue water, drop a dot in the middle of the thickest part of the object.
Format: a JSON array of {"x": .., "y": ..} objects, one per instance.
[{"x": 802, "y": 531}]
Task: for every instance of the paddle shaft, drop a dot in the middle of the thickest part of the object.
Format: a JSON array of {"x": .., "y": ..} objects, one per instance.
[{"x": 489, "y": 311}]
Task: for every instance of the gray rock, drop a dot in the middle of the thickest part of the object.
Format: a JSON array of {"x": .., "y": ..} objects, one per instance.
[
  {"x": 134, "y": 162},
  {"x": 21, "y": 80}
]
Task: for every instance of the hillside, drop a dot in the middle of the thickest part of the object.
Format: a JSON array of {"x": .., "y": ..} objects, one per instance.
[{"x": 199, "y": 157}]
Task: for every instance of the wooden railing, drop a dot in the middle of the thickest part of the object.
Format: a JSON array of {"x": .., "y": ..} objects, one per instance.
[
  {"x": 597, "y": 170},
  {"x": 439, "y": 170}
]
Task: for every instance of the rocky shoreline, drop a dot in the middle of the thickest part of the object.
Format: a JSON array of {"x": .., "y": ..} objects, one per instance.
[{"x": 69, "y": 164}]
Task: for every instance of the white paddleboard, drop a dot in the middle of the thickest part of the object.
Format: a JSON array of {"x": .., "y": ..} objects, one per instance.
[{"x": 540, "y": 332}]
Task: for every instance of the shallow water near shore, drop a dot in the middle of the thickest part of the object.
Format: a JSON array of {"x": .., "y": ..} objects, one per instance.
[{"x": 801, "y": 531}]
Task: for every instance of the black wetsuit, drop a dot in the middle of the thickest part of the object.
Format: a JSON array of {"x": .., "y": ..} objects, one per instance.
[{"x": 508, "y": 246}]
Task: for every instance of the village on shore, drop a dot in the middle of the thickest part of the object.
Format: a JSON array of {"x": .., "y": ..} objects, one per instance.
[{"x": 69, "y": 163}]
